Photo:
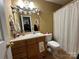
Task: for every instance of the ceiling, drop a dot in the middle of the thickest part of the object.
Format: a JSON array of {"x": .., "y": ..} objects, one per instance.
[{"x": 62, "y": 2}]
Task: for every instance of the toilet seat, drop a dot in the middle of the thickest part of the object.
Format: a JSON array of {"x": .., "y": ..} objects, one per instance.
[{"x": 53, "y": 44}]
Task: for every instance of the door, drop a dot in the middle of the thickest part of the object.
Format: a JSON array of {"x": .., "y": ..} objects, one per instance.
[
  {"x": 3, "y": 33},
  {"x": 2, "y": 41},
  {"x": 2, "y": 44}
]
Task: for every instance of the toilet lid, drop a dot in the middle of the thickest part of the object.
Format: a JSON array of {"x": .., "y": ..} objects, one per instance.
[{"x": 53, "y": 44}]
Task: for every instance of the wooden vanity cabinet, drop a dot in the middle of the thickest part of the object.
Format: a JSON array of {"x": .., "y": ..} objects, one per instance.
[{"x": 29, "y": 49}]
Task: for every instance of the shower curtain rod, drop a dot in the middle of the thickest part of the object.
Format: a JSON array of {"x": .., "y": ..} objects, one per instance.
[{"x": 67, "y": 4}]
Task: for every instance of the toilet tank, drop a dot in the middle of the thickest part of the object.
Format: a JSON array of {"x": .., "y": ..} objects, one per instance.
[{"x": 48, "y": 37}]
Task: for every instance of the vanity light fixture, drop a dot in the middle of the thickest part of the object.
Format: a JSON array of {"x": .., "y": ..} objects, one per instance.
[{"x": 27, "y": 6}]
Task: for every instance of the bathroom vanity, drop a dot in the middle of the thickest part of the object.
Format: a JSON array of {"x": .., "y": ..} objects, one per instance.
[{"x": 32, "y": 46}]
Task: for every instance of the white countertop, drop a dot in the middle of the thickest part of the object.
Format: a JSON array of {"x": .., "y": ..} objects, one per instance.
[{"x": 29, "y": 36}]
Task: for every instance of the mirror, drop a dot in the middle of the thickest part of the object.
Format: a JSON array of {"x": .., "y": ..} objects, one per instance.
[
  {"x": 25, "y": 17},
  {"x": 24, "y": 21}
]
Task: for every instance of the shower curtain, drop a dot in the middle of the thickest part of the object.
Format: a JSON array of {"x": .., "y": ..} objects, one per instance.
[{"x": 66, "y": 27}]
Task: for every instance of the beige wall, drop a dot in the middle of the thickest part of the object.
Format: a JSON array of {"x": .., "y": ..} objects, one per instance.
[
  {"x": 46, "y": 16},
  {"x": 8, "y": 12}
]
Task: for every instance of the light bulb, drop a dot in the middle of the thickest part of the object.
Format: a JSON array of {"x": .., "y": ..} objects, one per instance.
[
  {"x": 20, "y": 3},
  {"x": 31, "y": 5}
]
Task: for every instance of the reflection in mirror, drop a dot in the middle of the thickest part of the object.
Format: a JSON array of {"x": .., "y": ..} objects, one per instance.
[
  {"x": 36, "y": 25},
  {"x": 26, "y": 23}
]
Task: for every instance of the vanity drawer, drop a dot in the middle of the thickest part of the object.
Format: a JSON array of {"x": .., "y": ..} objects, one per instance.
[
  {"x": 40, "y": 39},
  {"x": 18, "y": 50},
  {"x": 31, "y": 41},
  {"x": 19, "y": 44}
]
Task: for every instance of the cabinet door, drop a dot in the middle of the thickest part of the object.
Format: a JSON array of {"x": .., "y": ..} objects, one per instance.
[
  {"x": 19, "y": 50},
  {"x": 32, "y": 50}
]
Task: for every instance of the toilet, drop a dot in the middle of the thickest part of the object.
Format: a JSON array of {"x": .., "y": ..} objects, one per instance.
[{"x": 52, "y": 45}]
